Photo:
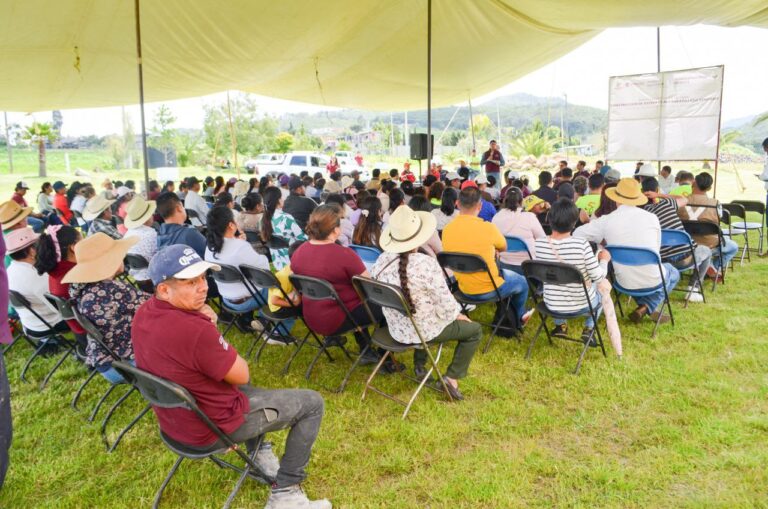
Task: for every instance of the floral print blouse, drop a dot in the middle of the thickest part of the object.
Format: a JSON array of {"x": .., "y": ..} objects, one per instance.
[{"x": 110, "y": 305}]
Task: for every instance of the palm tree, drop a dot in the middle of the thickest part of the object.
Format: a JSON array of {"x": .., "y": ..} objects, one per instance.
[{"x": 40, "y": 133}]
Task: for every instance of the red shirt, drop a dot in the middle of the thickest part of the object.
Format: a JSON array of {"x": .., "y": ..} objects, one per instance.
[
  {"x": 186, "y": 348},
  {"x": 331, "y": 167},
  {"x": 59, "y": 289},
  {"x": 19, "y": 199},
  {"x": 60, "y": 203},
  {"x": 335, "y": 264}
]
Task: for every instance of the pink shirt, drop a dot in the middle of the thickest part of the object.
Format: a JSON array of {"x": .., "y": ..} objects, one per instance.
[{"x": 518, "y": 224}]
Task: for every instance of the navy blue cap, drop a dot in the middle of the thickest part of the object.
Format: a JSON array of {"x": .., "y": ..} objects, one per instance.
[{"x": 178, "y": 261}]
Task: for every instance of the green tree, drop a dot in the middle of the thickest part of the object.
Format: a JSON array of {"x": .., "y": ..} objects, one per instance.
[
  {"x": 283, "y": 142},
  {"x": 40, "y": 133},
  {"x": 253, "y": 132},
  {"x": 763, "y": 117},
  {"x": 188, "y": 145},
  {"x": 482, "y": 127},
  {"x": 163, "y": 134}
]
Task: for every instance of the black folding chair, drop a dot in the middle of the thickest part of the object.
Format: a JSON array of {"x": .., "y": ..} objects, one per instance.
[
  {"x": 161, "y": 393},
  {"x": 701, "y": 228},
  {"x": 257, "y": 279},
  {"x": 317, "y": 289},
  {"x": 227, "y": 275},
  {"x": 18, "y": 301},
  {"x": 255, "y": 238},
  {"x": 754, "y": 207},
  {"x": 276, "y": 242},
  {"x": 464, "y": 263},
  {"x": 18, "y": 334},
  {"x": 560, "y": 274},
  {"x": 737, "y": 226},
  {"x": 389, "y": 296},
  {"x": 95, "y": 335},
  {"x": 194, "y": 219},
  {"x": 678, "y": 238}
]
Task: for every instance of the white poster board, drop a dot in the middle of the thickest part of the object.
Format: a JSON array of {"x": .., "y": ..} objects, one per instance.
[{"x": 668, "y": 116}]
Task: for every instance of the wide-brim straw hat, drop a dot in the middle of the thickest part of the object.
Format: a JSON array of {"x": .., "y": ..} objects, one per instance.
[
  {"x": 95, "y": 206},
  {"x": 407, "y": 229},
  {"x": 627, "y": 192},
  {"x": 11, "y": 213},
  {"x": 18, "y": 239},
  {"x": 139, "y": 211},
  {"x": 346, "y": 182},
  {"x": 98, "y": 258}
]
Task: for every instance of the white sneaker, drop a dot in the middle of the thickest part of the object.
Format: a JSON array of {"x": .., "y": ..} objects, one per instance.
[
  {"x": 257, "y": 326},
  {"x": 293, "y": 497},
  {"x": 267, "y": 460},
  {"x": 470, "y": 307},
  {"x": 696, "y": 297}
]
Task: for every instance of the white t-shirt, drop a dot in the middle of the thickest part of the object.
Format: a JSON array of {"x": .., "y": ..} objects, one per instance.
[
  {"x": 146, "y": 247},
  {"x": 23, "y": 278},
  {"x": 236, "y": 252}
]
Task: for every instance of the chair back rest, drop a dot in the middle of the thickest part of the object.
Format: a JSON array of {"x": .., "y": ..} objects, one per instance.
[
  {"x": 701, "y": 228},
  {"x": 259, "y": 278},
  {"x": 314, "y": 288},
  {"x": 136, "y": 262},
  {"x": 517, "y": 245},
  {"x": 18, "y": 300},
  {"x": 735, "y": 210},
  {"x": 227, "y": 274},
  {"x": 253, "y": 237},
  {"x": 633, "y": 256},
  {"x": 192, "y": 214},
  {"x": 751, "y": 206},
  {"x": 382, "y": 294},
  {"x": 368, "y": 254},
  {"x": 673, "y": 238},
  {"x": 276, "y": 242},
  {"x": 725, "y": 216},
  {"x": 462, "y": 263},
  {"x": 93, "y": 333},
  {"x": 157, "y": 391},
  {"x": 552, "y": 273},
  {"x": 64, "y": 306}
]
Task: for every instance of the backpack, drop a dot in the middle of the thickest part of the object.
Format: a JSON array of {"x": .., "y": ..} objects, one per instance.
[{"x": 510, "y": 323}]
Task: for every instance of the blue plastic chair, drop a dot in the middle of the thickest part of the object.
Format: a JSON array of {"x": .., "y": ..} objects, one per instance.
[
  {"x": 676, "y": 238},
  {"x": 515, "y": 245},
  {"x": 637, "y": 257},
  {"x": 368, "y": 254}
]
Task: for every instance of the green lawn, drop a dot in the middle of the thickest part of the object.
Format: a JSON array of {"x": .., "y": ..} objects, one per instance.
[{"x": 681, "y": 421}]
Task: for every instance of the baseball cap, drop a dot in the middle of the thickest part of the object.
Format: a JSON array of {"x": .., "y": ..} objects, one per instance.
[
  {"x": 191, "y": 181},
  {"x": 612, "y": 175},
  {"x": 179, "y": 262},
  {"x": 295, "y": 183},
  {"x": 283, "y": 180},
  {"x": 22, "y": 185},
  {"x": 531, "y": 201},
  {"x": 468, "y": 183},
  {"x": 59, "y": 185},
  {"x": 452, "y": 175},
  {"x": 480, "y": 179}
]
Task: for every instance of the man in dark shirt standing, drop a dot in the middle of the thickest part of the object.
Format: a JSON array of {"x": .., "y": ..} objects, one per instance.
[
  {"x": 174, "y": 336},
  {"x": 545, "y": 191},
  {"x": 493, "y": 161},
  {"x": 298, "y": 205}
]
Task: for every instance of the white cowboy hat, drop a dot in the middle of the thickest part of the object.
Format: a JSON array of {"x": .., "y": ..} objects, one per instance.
[
  {"x": 646, "y": 170},
  {"x": 139, "y": 211},
  {"x": 95, "y": 206},
  {"x": 407, "y": 229}
]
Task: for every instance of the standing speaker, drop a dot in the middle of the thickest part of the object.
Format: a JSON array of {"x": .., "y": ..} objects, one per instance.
[{"x": 419, "y": 146}]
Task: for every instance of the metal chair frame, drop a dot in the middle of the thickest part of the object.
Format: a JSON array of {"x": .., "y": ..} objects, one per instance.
[
  {"x": 515, "y": 245},
  {"x": 390, "y": 296},
  {"x": 694, "y": 228},
  {"x": 17, "y": 300},
  {"x": 736, "y": 211},
  {"x": 464, "y": 263},
  {"x": 755, "y": 207},
  {"x": 559, "y": 274},
  {"x": 231, "y": 274},
  {"x": 675, "y": 238},
  {"x": 616, "y": 254},
  {"x": 162, "y": 393}
]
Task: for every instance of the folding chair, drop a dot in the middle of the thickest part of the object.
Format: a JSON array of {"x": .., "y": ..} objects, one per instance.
[
  {"x": 17, "y": 333},
  {"x": 318, "y": 289},
  {"x": 754, "y": 207},
  {"x": 96, "y": 336},
  {"x": 368, "y": 254},
  {"x": 134, "y": 262},
  {"x": 735, "y": 228},
  {"x": 559, "y": 274},
  {"x": 255, "y": 238},
  {"x": 194, "y": 219},
  {"x": 676, "y": 238},
  {"x": 162, "y": 393},
  {"x": 637, "y": 257},
  {"x": 389, "y": 296},
  {"x": 18, "y": 301},
  {"x": 701, "y": 228},
  {"x": 515, "y": 245},
  {"x": 257, "y": 279},
  {"x": 276, "y": 242},
  {"x": 230, "y": 274},
  {"x": 463, "y": 263}
]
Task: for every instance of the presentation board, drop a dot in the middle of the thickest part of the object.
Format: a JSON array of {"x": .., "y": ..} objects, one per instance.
[{"x": 667, "y": 116}]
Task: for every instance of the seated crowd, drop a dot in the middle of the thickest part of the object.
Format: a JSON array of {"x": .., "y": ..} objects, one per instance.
[{"x": 310, "y": 226}]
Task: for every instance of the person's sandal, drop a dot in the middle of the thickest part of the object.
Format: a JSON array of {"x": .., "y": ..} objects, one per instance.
[
  {"x": 560, "y": 331},
  {"x": 453, "y": 391}
]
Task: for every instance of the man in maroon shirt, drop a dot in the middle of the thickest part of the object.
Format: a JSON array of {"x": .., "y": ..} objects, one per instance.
[
  {"x": 34, "y": 220},
  {"x": 174, "y": 336},
  {"x": 493, "y": 161}
]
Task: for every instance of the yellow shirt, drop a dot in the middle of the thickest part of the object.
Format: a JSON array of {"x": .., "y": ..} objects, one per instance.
[
  {"x": 684, "y": 190},
  {"x": 471, "y": 235},
  {"x": 283, "y": 276}
]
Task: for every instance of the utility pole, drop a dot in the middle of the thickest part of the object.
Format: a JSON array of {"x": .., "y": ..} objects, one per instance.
[{"x": 8, "y": 142}]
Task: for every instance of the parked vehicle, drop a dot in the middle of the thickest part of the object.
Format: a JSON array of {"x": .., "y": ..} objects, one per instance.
[
  {"x": 346, "y": 159},
  {"x": 252, "y": 165},
  {"x": 293, "y": 163}
]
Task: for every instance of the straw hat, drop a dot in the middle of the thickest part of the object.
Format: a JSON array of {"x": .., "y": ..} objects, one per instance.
[
  {"x": 95, "y": 206},
  {"x": 18, "y": 239},
  {"x": 11, "y": 213},
  {"x": 139, "y": 211},
  {"x": 122, "y": 191},
  {"x": 98, "y": 258},
  {"x": 240, "y": 189},
  {"x": 407, "y": 229},
  {"x": 627, "y": 192},
  {"x": 346, "y": 182}
]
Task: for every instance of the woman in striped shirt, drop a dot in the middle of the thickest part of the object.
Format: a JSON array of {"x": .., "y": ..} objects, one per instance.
[{"x": 561, "y": 247}]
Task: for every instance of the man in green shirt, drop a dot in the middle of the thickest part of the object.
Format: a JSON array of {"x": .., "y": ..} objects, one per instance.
[
  {"x": 591, "y": 201},
  {"x": 684, "y": 180}
]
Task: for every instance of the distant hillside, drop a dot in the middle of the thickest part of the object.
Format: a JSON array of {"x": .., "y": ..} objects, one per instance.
[
  {"x": 514, "y": 111},
  {"x": 751, "y": 136}
]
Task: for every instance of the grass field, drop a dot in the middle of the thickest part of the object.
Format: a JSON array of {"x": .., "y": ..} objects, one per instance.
[{"x": 681, "y": 421}]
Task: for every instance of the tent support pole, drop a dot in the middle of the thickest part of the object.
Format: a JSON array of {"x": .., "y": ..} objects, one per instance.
[
  {"x": 719, "y": 127},
  {"x": 144, "y": 151},
  {"x": 472, "y": 127},
  {"x": 658, "y": 70},
  {"x": 429, "y": 86},
  {"x": 232, "y": 135},
  {"x": 8, "y": 142}
]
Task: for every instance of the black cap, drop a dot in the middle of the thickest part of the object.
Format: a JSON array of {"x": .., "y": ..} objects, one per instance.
[
  {"x": 295, "y": 183},
  {"x": 191, "y": 181}
]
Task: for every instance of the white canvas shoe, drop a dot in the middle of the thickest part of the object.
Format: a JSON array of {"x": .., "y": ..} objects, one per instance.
[{"x": 293, "y": 497}]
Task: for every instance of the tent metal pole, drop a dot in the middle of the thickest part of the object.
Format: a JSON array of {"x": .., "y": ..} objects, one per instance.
[
  {"x": 472, "y": 125},
  {"x": 144, "y": 150},
  {"x": 719, "y": 127},
  {"x": 8, "y": 142},
  {"x": 658, "y": 70},
  {"x": 232, "y": 135},
  {"x": 429, "y": 85}
]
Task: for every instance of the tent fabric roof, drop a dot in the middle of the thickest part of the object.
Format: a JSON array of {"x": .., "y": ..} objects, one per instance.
[{"x": 349, "y": 53}]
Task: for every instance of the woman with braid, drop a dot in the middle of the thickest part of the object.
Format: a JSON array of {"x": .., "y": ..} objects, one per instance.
[
  {"x": 280, "y": 224},
  {"x": 434, "y": 309}
]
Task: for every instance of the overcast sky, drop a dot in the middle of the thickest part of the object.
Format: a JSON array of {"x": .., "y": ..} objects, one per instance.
[{"x": 582, "y": 75}]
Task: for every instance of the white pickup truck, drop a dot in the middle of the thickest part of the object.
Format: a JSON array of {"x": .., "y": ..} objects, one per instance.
[{"x": 293, "y": 163}]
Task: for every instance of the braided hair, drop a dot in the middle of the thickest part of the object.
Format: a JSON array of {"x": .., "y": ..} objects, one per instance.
[{"x": 402, "y": 271}]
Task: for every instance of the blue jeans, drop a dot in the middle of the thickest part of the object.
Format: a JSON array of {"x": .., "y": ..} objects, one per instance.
[
  {"x": 589, "y": 322},
  {"x": 35, "y": 223},
  {"x": 113, "y": 376},
  {"x": 251, "y": 305},
  {"x": 514, "y": 286},
  {"x": 730, "y": 248},
  {"x": 656, "y": 299}
]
